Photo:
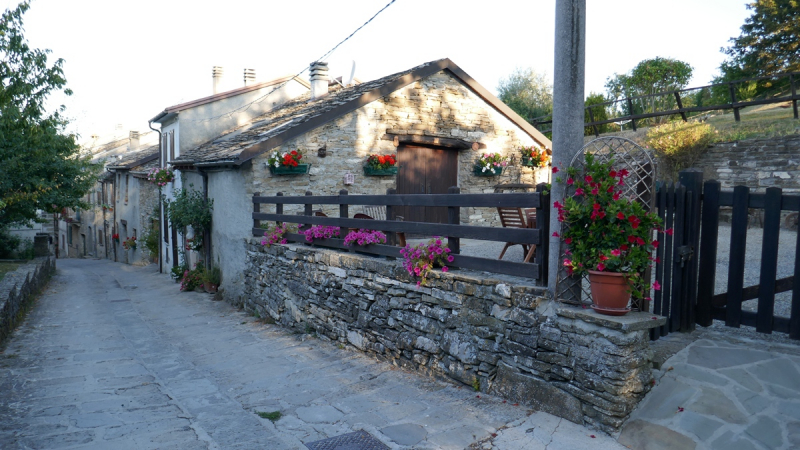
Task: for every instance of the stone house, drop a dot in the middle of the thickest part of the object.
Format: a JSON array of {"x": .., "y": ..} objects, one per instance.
[
  {"x": 190, "y": 124},
  {"x": 135, "y": 205},
  {"x": 435, "y": 117},
  {"x": 88, "y": 232}
]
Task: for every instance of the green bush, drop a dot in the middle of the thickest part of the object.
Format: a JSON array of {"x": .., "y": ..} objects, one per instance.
[
  {"x": 9, "y": 244},
  {"x": 679, "y": 144},
  {"x": 151, "y": 239},
  {"x": 190, "y": 209}
]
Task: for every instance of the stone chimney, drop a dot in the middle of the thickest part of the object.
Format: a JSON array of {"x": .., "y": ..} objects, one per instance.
[
  {"x": 249, "y": 76},
  {"x": 134, "y": 141},
  {"x": 216, "y": 75},
  {"x": 319, "y": 79}
]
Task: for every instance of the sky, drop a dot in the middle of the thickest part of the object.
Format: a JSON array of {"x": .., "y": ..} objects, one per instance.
[{"x": 128, "y": 60}]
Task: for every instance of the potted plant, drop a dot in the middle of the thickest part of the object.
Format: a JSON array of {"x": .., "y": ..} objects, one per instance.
[
  {"x": 193, "y": 279},
  {"x": 490, "y": 165},
  {"x": 422, "y": 258},
  {"x": 115, "y": 238},
  {"x": 287, "y": 163},
  {"x": 211, "y": 279},
  {"x": 129, "y": 243},
  {"x": 275, "y": 234},
  {"x": 160, "y": 176},
  {"x": 381, "y": 165},
  {"x": 608, "y": 236},
  {"x": 534, "y": 157}
]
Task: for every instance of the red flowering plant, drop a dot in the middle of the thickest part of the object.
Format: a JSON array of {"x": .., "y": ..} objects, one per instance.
[
  {"x": 291, "y": 159},
  {"x": 381, "y": 162},
  {"x": 422, "y": 258},
  {"x": 604, "y": 230}
]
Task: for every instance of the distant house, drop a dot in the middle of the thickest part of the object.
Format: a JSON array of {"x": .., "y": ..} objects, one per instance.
[
  {"x": 435, "y": 117},
  {"x": 87, "y": 233},
  {"x": 135, "y": 204},
  {"x": 191, "y": 124}
]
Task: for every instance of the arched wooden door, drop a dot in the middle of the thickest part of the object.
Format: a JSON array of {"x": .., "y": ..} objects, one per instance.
[{"x": 425, "y": 170}]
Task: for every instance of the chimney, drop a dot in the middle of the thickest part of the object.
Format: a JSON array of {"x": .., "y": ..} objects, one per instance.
[
  {"x": 134, "y": 141},
  {"x": 319, "y": 79},
  {"x": 249, "y": 76},
  {"x": 216, "y": 75}
]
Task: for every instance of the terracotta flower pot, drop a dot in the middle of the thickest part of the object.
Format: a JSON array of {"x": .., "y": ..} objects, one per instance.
[{"x": 610, "y": 292}]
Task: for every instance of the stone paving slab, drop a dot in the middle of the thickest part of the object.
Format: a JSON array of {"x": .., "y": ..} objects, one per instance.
[
  {"x": 723, "y": 391},
  {"x": 115, "y": 357}
]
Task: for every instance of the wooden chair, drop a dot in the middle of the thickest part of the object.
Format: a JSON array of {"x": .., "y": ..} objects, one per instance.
[
  {"x": 517, "y": 218},
  {"x": 379, "y": 213}
]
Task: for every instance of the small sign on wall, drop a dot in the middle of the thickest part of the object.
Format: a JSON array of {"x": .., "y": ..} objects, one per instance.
[{"x": 349, "y": 178}]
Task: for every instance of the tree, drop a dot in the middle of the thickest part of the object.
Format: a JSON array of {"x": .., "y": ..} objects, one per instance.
[
  {"x": 527, "y": 93},
  {"x": 594, "y": 104},
  {"x": 650, "y": 76},
  {"x": 40, "y": 164},
  {"x": 769, "y": 44}
]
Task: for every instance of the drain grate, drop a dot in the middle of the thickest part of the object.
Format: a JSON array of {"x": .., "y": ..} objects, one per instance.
[{"x": 360, "y": 440}]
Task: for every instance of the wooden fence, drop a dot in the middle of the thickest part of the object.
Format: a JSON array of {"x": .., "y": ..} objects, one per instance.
[
  {"x": 688, "y": 258},
  {"x": 453, "y": 231}
]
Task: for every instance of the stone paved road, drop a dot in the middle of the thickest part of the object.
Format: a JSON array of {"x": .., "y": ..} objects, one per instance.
[{"x": 114, "y": 357}]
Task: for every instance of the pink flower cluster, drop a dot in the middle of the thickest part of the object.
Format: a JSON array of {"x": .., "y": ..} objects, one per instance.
[
  {"x": 320, "y": 232},
  {"x": 160, "y": 176},
  {"x": 364, "y": 237},
  {"x": 420, "y": 259},
  {"x": 275, "y": 235}
]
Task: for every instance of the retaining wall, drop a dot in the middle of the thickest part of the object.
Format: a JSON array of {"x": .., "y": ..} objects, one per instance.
[
  {"x": 496, "y": 333},
  {"x": 17, "y": 289}
]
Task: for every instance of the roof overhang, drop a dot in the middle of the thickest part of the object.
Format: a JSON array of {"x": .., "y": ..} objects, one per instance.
[{"x": 133, "y": 164}]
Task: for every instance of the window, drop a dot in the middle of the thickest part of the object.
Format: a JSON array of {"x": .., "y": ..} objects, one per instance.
[
  {"x": 69, "y": 236},
  {"x": 164, "y": 150},
  {"x": 100, "y": 237},
  {"x": 127, "y": 177},
  {"x": 172, "y": 145}
]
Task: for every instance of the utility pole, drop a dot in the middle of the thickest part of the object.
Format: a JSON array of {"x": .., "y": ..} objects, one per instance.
[{"x": 568, "y": 112}]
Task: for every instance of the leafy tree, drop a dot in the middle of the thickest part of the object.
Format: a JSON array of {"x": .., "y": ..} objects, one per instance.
[
  {"x": 527, "y": 93},
  {"x": 650, "y": 76},
  {"x": 598, "y": 113},
  {"x": 769, "y": 44},
  {"x": 40, "y": 164}
]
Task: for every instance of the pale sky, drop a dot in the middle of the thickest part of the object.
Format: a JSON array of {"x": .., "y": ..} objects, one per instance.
[{"x": 128, "y": 60}]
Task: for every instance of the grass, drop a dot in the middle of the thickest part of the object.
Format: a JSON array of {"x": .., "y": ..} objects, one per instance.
[
  {"x": 273, "y": 416},
  {"x": 6, "y": 267}
]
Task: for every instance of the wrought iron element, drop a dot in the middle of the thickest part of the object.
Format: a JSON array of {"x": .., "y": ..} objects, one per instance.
[
  {"x": 359, "y": 440},
  {"x": 638, "y": 186}
]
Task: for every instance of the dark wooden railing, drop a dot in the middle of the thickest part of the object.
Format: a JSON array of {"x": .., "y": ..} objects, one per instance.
[
  {"x": 453, "y": 231},
  {"x": 630, "y": 103}
]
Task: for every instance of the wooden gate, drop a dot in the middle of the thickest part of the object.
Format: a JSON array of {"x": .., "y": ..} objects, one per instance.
[{"x": 687, "y": 259}]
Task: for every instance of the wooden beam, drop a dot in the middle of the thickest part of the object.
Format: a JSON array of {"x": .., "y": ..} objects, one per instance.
[{"x": 459, "y": 144}]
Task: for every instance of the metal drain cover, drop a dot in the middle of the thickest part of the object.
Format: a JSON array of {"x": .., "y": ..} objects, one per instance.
[{"x": 359, "y": 440}]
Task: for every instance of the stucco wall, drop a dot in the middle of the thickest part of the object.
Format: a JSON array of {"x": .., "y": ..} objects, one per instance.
[
  {"x": 230, "y": 230},
  {"x": 436, "y": 106}
]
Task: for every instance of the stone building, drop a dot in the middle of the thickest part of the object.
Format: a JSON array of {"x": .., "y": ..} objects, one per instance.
[
  {"x": 435, "y": 117},
  {"x": 135, "y": 205}
]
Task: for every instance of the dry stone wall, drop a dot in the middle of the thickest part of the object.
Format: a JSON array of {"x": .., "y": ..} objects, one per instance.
[
  {"x": 437, "y": 106},
  {"x": 498, "y": 334},
  {"x": 17, "y": 289}
]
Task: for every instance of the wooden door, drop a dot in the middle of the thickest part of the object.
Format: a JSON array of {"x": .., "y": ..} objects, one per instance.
[{"x": 425, "y": 170}]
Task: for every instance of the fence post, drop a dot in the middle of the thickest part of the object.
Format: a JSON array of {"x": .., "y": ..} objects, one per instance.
[
  {"x": 256, "y": 209},
  {"x": 708, "y": 252},
  {"x": 543, "y": 223},
  {"x": 680, "y": 105},
  {"x": 343, "y": 213},
  {"x": 794, "y": 95},
  {"x": 454, "y": 218},
  {"x": 279, "y": 207},
  {"x": 391, "y": 236},
  {"x": 733, "y": 100},
  {"x": 769, "y": 260},
  {"x": 630, "y": 111},
  {"x": 692, "y": 179}
]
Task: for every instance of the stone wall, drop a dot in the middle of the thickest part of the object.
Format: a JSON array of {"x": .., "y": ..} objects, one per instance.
[
  {"x": 498, "y": 334},
  {"x": 17, "y": 289},
  {"x": 757, "y": 163},
  {"x": 436, "y": 106}
]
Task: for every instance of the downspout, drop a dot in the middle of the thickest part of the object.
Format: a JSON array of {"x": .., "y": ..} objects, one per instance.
[
  {"x": 206, "y": 233},
  {"x": 161, "y": 221}
]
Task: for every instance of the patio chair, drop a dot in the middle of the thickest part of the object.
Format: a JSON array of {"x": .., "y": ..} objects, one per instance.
[
  {"x": 379, "y": 213},
  {"x": 517, "y": 218}
]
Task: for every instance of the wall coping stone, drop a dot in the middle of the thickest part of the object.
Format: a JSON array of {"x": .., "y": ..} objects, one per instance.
[{"x": 633, "y": 321}]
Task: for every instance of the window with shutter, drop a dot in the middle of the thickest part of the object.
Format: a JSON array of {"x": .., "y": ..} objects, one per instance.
[{"x": 172, "y": 145}]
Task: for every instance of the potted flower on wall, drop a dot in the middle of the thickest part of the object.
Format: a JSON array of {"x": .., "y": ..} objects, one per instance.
[
  {"x": 381, "y": 165},
  {"x": 129, "y": 243},
  {"x": 287, "y": 163},
  {"x": 534, "y": 157},
  {"x": 608, "y": 236},
  {"x": 160, "y": 176},
  {"x": 211, "y": 279},
  {"x": 115, "y": 238},
  {"x": 490, "y": 165}
]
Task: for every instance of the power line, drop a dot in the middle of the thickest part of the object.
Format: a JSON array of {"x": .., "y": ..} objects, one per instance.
[{"x": 244, "y": 108}]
